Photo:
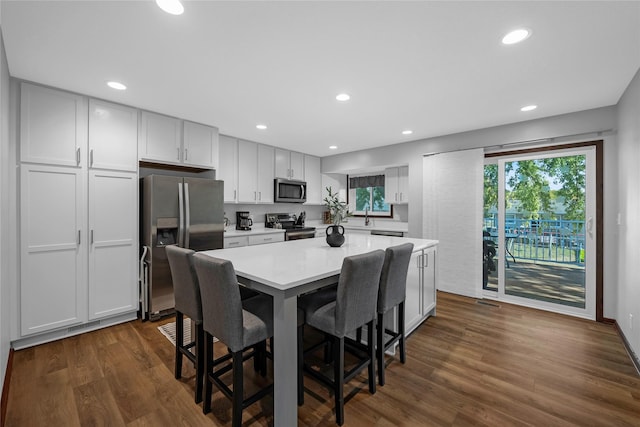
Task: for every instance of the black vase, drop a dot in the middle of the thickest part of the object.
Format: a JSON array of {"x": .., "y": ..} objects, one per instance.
[{"x": 335, "y": 235}]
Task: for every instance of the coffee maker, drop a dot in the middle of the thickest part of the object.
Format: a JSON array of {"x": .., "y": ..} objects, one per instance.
[{"x": 243, "y": 220}]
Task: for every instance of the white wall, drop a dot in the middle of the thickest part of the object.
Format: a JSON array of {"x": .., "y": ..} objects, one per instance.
[
  {"x": 5, "y": 307},
  {"x": 587, "y": 123},
  {"x": 629, "y": 207}
]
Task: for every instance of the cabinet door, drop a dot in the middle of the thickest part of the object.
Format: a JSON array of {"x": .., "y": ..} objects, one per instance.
[
  {"x": 113, "y": 249},
  {"x": 296, "y": 163},
  {"x": 160, "y": 138},
  {"x": 412, "y": 303},
  {"x": 266, "y": 172},
  {"x": 53, "y": 248},
  {"x": 403, "y": 184},
  {"x": 247, "y": 172},
  {"x": 113, "y": 136},
  {"x": 200, "y": 145},
  {"x": 53, "y": 126},
  {"x": 228, "y": 168},
  {"x": 429, "y": 286},
  {"x": 314, "y": 180},
  {"x": 391, "y": 185},
  {"x": 282, "y": 163}
]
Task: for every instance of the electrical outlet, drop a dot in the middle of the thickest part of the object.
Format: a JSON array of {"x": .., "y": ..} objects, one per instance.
[{"x": 630, "y": 322}]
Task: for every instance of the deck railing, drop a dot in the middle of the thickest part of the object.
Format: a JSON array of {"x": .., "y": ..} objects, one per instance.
[{"x": 541, "y": 240}]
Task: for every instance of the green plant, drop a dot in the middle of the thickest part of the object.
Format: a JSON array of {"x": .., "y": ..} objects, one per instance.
[{"x": 338, "y": 209}]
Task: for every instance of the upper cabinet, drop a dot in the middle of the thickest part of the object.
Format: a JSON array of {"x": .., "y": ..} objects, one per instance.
[
  {"x": 314, "y": 180},
  {"x": 200, "y": 145},
  {"x": 289, "y": 164},
  {"x": 160, "y": 138},
  {"x": 165, "y": 139},
  {"x": 255, "y": 172},
  {"x": 228, "y": 167},
  {"x": 396, "y": 185},
  {"x": 53, "y": 126},
  {"x": 113, "y": 136}
]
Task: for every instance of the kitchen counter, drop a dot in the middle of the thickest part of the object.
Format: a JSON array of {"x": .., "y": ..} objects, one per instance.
[{"x": 358, "y": 224}]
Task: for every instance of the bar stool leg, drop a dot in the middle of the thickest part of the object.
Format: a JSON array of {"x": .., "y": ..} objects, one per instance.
[{"x": 179, "y": 344}]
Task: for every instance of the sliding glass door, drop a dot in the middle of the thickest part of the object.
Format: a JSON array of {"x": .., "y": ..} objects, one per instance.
[{"x": 539, "y": 230}]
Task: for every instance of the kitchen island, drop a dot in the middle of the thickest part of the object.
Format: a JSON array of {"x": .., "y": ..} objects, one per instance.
[{"x": 286, "y": 270}]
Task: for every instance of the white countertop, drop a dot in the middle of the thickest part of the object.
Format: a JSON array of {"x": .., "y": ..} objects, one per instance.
[{"x": 285, "y": 265}]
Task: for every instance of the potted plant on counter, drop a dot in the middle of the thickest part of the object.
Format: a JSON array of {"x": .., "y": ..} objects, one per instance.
[{"x": 338, "y": 211}]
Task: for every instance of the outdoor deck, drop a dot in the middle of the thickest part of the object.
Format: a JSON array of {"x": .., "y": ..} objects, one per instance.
[{"x": 559, "y": 283}]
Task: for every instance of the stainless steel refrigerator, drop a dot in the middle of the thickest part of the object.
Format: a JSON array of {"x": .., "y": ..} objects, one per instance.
[{"x": 187, "y": 212}]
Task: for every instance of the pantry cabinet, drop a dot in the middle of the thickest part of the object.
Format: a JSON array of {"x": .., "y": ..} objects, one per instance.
[
  {"x": 53, "y": 246},
  {"x": 79, "y": 215},
  {"x": 113, "y": 215},
  {"x": 113, "y": 136}
]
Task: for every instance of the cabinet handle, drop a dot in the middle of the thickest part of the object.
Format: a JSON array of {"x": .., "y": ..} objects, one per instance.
[
  {"x": 396, "y": 197},
  {"x": 78, "y": 156},
  {"x": 78, "y": 239},
  {"x": 234, "y": 243},
  {"x": 400, "y": 196},
  {"x": 234, "y": 195},
  {"x": 260, "y": 195},
  {"x": 91, "y": 158},
  {"x": 426, "y": 259},
  {"x": 269, "y": 239},
  {"x": 92, "y": 237},
  {"x": 178, "y": 149},
  {"x": 255, "y": 195},
  {"x": 186, "y": 154}
]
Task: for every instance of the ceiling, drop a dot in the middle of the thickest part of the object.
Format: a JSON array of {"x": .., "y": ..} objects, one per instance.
[{"x": 433, "y": 67}]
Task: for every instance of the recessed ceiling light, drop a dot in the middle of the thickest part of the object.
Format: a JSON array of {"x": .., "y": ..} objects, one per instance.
[
  {"x": 173, "y": 7},
  {"x": 333, "y": 147},
  {"x": 261, "y": 127},
  {"x": 116, "y": 85},
  {"x": 343, "y": 97},
  {"x": 516, "y": 36},
  {"x": 529, "y": 108},
  {"x": 407, "y": 132}
]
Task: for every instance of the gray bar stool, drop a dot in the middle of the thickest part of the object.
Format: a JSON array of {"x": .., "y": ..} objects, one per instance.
[
  {"x": 354, "y": 306},
  {"x": 238, "y": 327},
  {"x": 392, "y": 292}
]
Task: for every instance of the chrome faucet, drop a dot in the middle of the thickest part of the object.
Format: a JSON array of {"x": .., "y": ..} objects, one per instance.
[{"x": 366, "y": 217}]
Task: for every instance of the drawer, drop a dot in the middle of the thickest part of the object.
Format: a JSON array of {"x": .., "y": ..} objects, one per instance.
[
  {"x": 266, "y": 238},
  {"x": 235, "y": 242}
]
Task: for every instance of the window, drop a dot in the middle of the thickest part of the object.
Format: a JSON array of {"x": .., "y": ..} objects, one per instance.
[{"x": 366, "y": 196}]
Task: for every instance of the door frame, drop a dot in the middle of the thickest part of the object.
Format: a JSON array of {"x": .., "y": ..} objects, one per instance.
[{"x": 599, "y": 219}]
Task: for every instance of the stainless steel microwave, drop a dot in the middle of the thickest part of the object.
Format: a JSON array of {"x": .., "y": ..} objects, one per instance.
[{"x": 289, "y": 191}]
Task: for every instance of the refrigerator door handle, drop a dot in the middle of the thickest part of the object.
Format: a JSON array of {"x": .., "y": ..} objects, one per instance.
[
  {"x": 180, "y": 216},
  {"x": 187, "y": 217}
]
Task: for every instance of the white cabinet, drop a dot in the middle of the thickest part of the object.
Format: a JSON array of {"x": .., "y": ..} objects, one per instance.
[
  {"x": 289, "y": 164},
  {"x": 53, "y": 248},
  {"x": 235, "y": 242},
  {"x": 53, "y": 126},
  {"x": 79, "y": 213},
  {"x": 261, "y": 239},
  {"x": 113, "y": 136},
  {"x": 160, "y": 138},
  {"x": 228, "y": 168},
  {"x": 200, "y": 145},
  {"x": 255, "y": 172},
  {"x": 420, "y": 301},
  {"x": 396, "y": 185},
  {"x": 314, "y": 180},
  {"x": 165, "y": 139},
  {"x": 113, "y": 222},
  {"x": 247, "y": 172}
]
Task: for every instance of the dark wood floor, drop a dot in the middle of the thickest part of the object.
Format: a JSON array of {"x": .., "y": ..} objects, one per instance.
[{"x": 472, "y": 364}]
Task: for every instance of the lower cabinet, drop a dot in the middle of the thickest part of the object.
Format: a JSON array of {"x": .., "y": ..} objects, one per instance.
[
  {"x": 420, "y": 301},
  {"x": 53, "y": 248},
  {"x": 113, "y": 249},
  {"x": 79, "y": 247},
  {"x": 253, "y": 239}
]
